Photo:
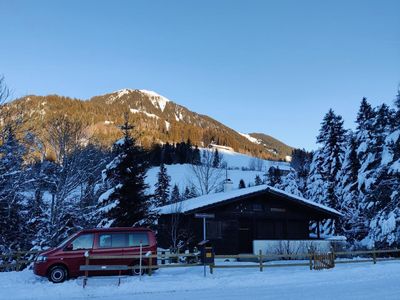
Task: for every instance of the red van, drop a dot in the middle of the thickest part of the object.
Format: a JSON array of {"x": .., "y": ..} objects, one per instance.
[{"x": 64, "y": 261}]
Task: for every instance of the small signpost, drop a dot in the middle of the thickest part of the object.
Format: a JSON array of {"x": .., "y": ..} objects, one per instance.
[{"x": 204, "y": 217}]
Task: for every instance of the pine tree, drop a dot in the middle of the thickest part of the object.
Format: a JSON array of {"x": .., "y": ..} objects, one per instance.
[
  {"x": 352, "y": 225},
  {"x": 125, "y": 202},
  {"x": 273, "y": 176},
  {"x": 175, "y": 195},
  {"x": 162, "y": 185},
  {"x": 326, "y": 165},
  {"x": 257, "y": 180},
  {"x": 371, "y": 142},
  {"x": 289, "y": 184},
  {"x": 381, "y": 194},
  {"x": 216, "y": 160},
  {"x": 242, "y": 185},
  {"x": 196, "y": 156},
  {"x": 12, "y": 234},
  {"x": 189, "y": 193},
  {"x": 301, "y": 161}
]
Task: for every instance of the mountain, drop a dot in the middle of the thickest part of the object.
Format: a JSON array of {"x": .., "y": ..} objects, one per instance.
[
  {"x": 272, "y": 144},
  {"x": 156, "y": 119}
]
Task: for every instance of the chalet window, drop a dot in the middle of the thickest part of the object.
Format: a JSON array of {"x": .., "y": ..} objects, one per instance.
[
  {"x": 278, "y": 210},
  {"x": 257, "y": 207},
  {"x": 214, "y": 229}
]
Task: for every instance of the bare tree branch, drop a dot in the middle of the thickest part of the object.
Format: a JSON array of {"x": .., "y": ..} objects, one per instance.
[
  {"x": 207, "y": 178},
  {"x": 5, "y": 92}
]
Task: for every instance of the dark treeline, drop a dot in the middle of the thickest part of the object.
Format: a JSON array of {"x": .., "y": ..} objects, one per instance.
[{"x": 179, "y": 153}]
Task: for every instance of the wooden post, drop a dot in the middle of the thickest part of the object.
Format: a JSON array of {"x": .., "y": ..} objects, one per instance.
[
  {"x": 374, "y": 255},
  {"x": 318, "y": 230},
  {"x": 150, "y": 264},
  {"x": 86, "y": 272},
  {"x": 333, "y": 257},
  {"x": 311, "y": 259},
  {"x": 212, "y": 268},
  {"x": 261, "y": 261},
  {"x": 17, "y": 257},
  {"x": 163, "y": 257}
]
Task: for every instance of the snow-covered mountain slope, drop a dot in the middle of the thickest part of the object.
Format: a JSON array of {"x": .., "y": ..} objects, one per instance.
[
  {"x": 239, "y": 160},
  {"x": 238, "y": 168},
  {"x": 183, "y": 176},
  {"x": 157, "y": 119}
]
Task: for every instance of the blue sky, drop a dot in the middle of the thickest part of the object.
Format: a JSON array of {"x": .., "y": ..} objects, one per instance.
[{"x": 258, "y": 66}]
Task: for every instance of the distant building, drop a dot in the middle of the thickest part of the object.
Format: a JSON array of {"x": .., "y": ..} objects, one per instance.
[
  {"x": 220, "y": 147},
  {"x": 242, "y": 216}
]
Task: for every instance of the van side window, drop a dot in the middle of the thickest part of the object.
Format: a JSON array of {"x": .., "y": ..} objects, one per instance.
[
  {"x": 105, "y": 241},
  {"x": 113, "y": 240},
  {"x": 138, "y": 237},
  {"x": 83, "y": 242}
]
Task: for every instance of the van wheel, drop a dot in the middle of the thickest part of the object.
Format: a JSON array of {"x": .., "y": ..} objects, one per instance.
[
  {"x": 57, "y": 274},
  {"x": 136, "y": 271}
]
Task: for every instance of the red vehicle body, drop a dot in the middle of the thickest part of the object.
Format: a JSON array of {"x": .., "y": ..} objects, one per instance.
[{"x": 64, "y": 261}]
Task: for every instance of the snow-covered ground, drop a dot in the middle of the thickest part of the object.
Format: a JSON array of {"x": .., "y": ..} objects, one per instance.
[
  {"x": 182, "y": 175},
  {"x": 239, "y": 160},
  {"x": 349, "y": 281}
]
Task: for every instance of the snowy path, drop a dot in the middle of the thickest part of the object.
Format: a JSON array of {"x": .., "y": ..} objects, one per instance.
[{"x": 350, "y": 281}]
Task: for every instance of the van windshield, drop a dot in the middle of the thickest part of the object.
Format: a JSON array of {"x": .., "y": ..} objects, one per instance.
[{"x": 65, "y": 241}]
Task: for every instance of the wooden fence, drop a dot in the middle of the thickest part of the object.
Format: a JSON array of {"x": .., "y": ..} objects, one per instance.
[{"x": 19, "y": 260}]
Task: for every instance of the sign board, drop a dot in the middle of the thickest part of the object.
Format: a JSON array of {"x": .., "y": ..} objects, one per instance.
[{"x": 205, "y": 216}]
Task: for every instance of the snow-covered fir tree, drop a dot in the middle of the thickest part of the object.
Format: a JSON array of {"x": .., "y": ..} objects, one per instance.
[
  {"x": 258, "y": 180},
  {"x": 161, "y": 193},
  {"x": 289, "y": 183},
  {"x": 125, "y": 202},
  {"x": 175, "y": 194},
  {"x": 381, "y": 196},
  {"x": 273, "y": 177},
  {"x": 242, "y": 184},
  {"x": 326, "y": 165},
  {"x": 216, "y": 159},
  {"x": 190, "y": 192},
  {"x": 352, "y": 224},
  {"x": 12, "y": 235}
]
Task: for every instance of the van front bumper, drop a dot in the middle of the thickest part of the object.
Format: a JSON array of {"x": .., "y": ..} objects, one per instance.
[{"x": 40, "y": 268}]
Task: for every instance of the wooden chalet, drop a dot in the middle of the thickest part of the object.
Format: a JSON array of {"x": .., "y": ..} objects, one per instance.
[{"x": 241, "y": 216}]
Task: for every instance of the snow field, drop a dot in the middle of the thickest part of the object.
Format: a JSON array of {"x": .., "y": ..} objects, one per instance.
[
  {"x": 182, "y": 176},
  {"x": 349, "y": 281}
]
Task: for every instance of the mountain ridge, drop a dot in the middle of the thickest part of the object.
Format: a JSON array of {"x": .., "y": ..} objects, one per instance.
[{"x": 157, "y": 120}]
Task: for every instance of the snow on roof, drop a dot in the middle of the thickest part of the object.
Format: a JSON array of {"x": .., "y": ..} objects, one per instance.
[
  {"x": 205, "y": 200},
  {"x": 305, "y": 201}
]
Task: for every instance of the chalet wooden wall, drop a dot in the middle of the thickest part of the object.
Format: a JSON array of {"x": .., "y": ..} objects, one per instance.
[{"x": 238, "y": 223}]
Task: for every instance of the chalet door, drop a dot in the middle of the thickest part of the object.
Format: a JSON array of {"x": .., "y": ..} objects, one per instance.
[{"x": 245, "y": 236}]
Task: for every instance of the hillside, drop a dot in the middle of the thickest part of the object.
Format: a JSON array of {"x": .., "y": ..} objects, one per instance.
[
  {"x": 182, "y": 174},
  {"x": 271, "y": 143},
  {"x": 156, "y": 119}
]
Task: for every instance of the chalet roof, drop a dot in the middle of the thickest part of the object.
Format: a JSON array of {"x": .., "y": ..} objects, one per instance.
[{"x": 193, "y": 204}]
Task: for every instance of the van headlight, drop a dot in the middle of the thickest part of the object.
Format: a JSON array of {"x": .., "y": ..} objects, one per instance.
[{"x": 41, "y": 258}]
